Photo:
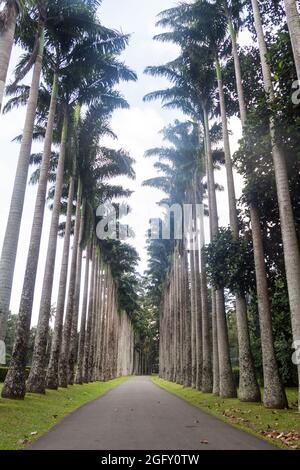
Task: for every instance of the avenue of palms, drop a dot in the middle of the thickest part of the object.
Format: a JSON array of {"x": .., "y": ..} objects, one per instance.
[{"x": 218, "y": 308}]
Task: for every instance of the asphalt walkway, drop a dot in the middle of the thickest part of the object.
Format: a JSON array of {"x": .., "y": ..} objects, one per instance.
[{"x": 138, "y": 415}]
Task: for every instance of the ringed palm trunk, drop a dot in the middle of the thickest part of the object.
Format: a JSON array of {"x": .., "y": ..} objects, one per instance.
[
  {"x": 226, "y": 381},
  {"x": 37, "y": 377},
  {"x": 178, "y": 325},
  {"x": 15, "y": 384},
  {"x": 52, "y": 372},
  {"x": 11, "y": 239},
  {"x": 193, "y": 317},
  {"x": 288, "y": 230},
  {"x": 181, "y": 316},
  {"x": 211, "y": 203},
  {"x": 80, "y": 358},
  {"x": 293, "y": 22},
  {"x": 248, "y": 385},
  {"x": 198, "y": 322},
  {"x": 93, "y": 350},
  {"x": 67, "y": 328},
  {"x": 274, "y": 394},
  {"x": 7, "y": 34},
  {"x": 86, "y": 377},
  {"x": 207, "y": 373},
  {"x": 187, "y": 321},
  {"x": 74, "y": 330}
]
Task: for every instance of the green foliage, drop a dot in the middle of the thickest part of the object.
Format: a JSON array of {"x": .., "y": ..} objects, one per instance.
[
  {"x": 282, "y": 331},
  {"x": 123, "y": 260},
  {"x": 230, "y": 262}
]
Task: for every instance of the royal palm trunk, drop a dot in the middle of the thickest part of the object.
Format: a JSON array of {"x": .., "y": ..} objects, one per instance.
[
  {"x": 248, "y": 385},
  {"x": 86, "y": 362},
  {"x": 288, "y": 230},
  {"x": 11, "y": 238},
  {"x": 207, "y": 374},
  {"x": 37, "y": 378},
  {"x": 273, "y": 393},
  {"x": 82, "y": 336},
  {"x": 67, "y": 328},
  {"x": 74, "y": 330},
  {"x": 7, "y": 34},
  {"x": 293, "y": 22},
  {"x": 52, "y": 372},
  {"x": 15, "y": 383},
  {"x": 226, "y": 381}
]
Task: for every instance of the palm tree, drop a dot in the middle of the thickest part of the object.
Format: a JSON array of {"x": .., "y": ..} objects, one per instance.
[
  {"x": 293, "y": 22},
  {"x": 186, "y": 69},
  {"x": 184, "y": 159},
  {"x": 36, "y": 380},
  {"x": 95, "y": 163},
  {"x": 274, "y": 395},
  {"x": 208, "y": 32},
  {"x": 10, "y": 243},
  {"x": 288, "y": 231},
  {"x": 8, "y": 19},
  {"x": 40, "y": 22},
  {"x": 74, "y": 275},
  {"x": 52, "y": 372},
  {"x": 83, "y": 322},
  {"x": 85, "y": 91}
]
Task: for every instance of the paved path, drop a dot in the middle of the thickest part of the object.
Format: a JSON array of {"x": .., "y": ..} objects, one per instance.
[{"x": 138, "y": 415}]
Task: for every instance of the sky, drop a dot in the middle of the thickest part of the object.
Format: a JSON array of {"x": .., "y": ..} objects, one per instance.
[{"x": 137, "y": 129}]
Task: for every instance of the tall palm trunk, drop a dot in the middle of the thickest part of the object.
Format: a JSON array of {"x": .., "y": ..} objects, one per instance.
[
  {"x": 86, "y": 375},
  {"x": 74, "y": 331},
  {"x": 248, "y": 385},
  {"x": 52, "y": 372},
  {"x": 103, "y": 322},
  {"x": 7, "y": 34},
  {"x": 293, "y": 22},
  {"x": 193, "y": 306},
  {"x": 177, "y": 314},
  {"x": 212, "y": 228},
  {"x": 100, "y": 318},
  {"x": 198, "y": 296},
  {"x": 198, "y": 322},
  {"x": 80, "y": 357},
  {"x": 274, "y": 395},
  {"x": 15, "y": 380},
  {"x": 288, "y": 230},
  {"x": 37, "y": 377},
  {"x": 226, "y": 381},
  {"x": 67, "y": 328},
  {"x": 93, "y": 351},
  {"x": 11, "y": 239},
  {"x": 187, "y": 345},
  {"x": 207, "y": 373}
]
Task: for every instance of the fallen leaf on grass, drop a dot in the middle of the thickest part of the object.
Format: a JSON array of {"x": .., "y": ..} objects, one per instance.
[
  {"x": 287, "y": 438},
  {"x": 22, "y": 441}
]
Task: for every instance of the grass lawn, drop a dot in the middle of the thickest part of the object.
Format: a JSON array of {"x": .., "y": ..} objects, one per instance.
[
  {"x": 22, "y": 422},
  {"x": 280, "y": 427}
]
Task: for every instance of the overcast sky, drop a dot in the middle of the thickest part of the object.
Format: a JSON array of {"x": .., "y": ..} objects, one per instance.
[{"x": 137, "y": 130}]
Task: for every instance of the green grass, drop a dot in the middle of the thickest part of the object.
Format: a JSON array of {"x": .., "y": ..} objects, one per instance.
[
  {"x": 280, "y": 427},
  {"x": 22, "y": 422}
]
